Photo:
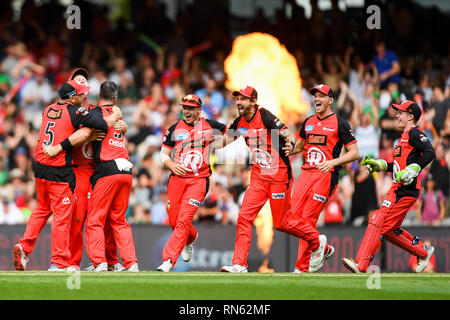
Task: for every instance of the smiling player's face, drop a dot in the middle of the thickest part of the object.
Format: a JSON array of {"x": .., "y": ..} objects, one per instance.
[
  {"x": 191, "y": 114},
  {"x": 244, "y": 105}
]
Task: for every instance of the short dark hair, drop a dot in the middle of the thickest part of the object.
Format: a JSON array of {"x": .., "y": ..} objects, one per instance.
[{"x": 108, "y": 90}]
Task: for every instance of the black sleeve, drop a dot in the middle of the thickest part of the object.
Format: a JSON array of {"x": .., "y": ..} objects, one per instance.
[
  {"x": 232, "y": 130},
  {"x": 420, "y": 141},
  {"x": 169, "y": 139},
  {"x": 217, "y": 126},
  {"x": 302, "y": 133},
  {"x": 345, "y": 132},
  {"x": 87, "y": 118},
  {"x": 270, "y": 120}
]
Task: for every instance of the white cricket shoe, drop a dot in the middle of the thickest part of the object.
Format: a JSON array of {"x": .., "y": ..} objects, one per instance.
[
  {"x": 116, "y": 267},
  {"x": 235, "y": 268},
  {"x": 422, "y": 263},
  {"x": 90, "y": 267},
  {"x": 318, "y": 256},
  {"x": 328, "y": 254},
  {"x": 101, "y": 267},
  {"x": 133, "y": 268},
  {"x": 53, "y": 267},
  {"x": 296, "y": 270},
  {"x": 351, "y": 265},
  {"x": 166, "y": 266},
  {"x": 72, "y": 269},
  {"x": 188, "y": 251},
  {"x": 20, "y": 258}
]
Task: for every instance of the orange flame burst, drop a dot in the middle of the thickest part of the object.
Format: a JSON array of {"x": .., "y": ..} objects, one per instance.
[{"x": 259, "y": 60}]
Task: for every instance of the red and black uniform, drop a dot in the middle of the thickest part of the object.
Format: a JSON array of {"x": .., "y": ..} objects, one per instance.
[
  {"x": 191, "y": 148},
  {"x": 84, "y": 165},
  {"x": 385, "y": 223},
  {"x": 324, "y": 139},
  {"x": 55, "y": 179},
  {"x": 111, "y": 188},
  {"x": 270, "y": 179}
]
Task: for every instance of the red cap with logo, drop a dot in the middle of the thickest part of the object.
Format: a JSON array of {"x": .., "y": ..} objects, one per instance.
[
  {"x": 191, "y": 100},
  {"x": 409, "y": 106},
  {"x": 248, "y": 92},
  {"x": 323, "y": 88},
  {"x": 80, "y": 89}
]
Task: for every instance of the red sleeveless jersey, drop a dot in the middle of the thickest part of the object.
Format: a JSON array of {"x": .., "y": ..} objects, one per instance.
[
  {"x": 324, "y": 139},
  {"x": 191, "y": 144},
  {"x": 56, "y": 126},
  {"x": 261, "y": 135},
  {"x": 113, "y": 146}
]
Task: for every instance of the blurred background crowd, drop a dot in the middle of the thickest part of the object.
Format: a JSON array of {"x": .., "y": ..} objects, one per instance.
[{"x": 156, "y": 59}]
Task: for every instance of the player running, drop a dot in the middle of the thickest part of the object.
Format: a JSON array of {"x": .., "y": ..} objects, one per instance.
[
  {"x": 271, "y": 177},
  {"x": 412, "y": 153},
  {"x": 55, "y": 179},
  {"x": 321, "y": 139},
  {"x": 189, "y": 140}
]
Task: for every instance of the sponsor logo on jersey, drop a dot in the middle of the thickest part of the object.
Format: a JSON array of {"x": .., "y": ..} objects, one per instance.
[
  {"x": 328, "y": 129},
  {"x": 423, "y": 138},
  {"x": 194, "y": 202},
  {"x": 320, "y": 198},
  {"x": 181, "y": 136},
  {"x": 386, "y": 203},
  {"x": 261, "y": 157},
  {"x": 54, "y": 114},
  {"x": 278, "y": 195},
  {"x": 309, "y": 128},
  {"x": 315, "y": 156},
  {"x": 192, "y": 160},
  {"x": 278, "y": 123},
  {"x": 317, "y": 139},
  {"x": 243, "y": 131},
  {"x": 198, "y": 143},
  {"x": 66, "y": 200},
  {"x": 82, "y": 110}
]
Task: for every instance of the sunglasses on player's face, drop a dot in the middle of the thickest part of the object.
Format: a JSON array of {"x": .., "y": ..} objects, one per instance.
[{"x": 191, "y": 100}]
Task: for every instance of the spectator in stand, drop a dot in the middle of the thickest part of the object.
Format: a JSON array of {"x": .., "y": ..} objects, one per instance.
[
  {"x": 127, "y": 94},
  {"x": 98, "y": 77},
  {"x": 387, "y": 64},
  {"x": 36, "y": 94},
  {"x": 440, "y": 170},
  {"x": 158, "y": 213},
  {"x": 217, "y": 99},
  {"x": 431, "y": 204},
  {"x": 334, "y": 72},
  {"x": 120, "y": 68},
  {"x": 440, "y": 106},
  {"x": 9, "y": 212}
]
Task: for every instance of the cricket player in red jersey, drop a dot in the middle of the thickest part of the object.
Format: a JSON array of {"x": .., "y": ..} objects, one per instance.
[
  {"x": 189, "y": 140},
  {"x": 270, "y": 180},
  {"x": 111, "y": 187},
  {"x": 55, "y": 179},
  {"x": 322, "y": 137},
  {"x": 83, "y": 160},
  {"x": 412, "y": 153}
]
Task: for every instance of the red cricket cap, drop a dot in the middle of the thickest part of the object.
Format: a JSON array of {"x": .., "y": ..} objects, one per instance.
[
  {"x": 409, "y": 106},
  {"x": 326, "y": 90},
  {"x": 79, "y": 71},
  {"x": 248, "y": 92},
  {"x": 191, "y": 100}
]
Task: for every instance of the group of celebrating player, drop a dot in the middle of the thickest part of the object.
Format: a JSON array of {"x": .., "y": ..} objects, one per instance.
[{"x": 83, "y": 177}]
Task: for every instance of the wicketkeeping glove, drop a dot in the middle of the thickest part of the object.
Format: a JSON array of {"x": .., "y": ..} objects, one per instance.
[
  {"x": 373, "y": 165},
  {"x": 408, "y": 174}
]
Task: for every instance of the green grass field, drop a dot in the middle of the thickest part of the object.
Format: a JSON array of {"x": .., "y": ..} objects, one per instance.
[{"x": 43, "y": 285}]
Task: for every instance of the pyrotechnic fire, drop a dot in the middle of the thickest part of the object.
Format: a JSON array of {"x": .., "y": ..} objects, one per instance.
[{"x": 260, "y": 61}]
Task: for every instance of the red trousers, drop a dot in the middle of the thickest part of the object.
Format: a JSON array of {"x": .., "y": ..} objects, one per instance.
[
  {"x": 52, "y": 198},
  {"x": 385, "y": 223},
  {"x": 312, "y": 190},
  {"x": 255, "y": 197},
  {"x": 109, "y": 202},
  {"x": 185, "y": 196},
  {"x": 82, "y": 192}
]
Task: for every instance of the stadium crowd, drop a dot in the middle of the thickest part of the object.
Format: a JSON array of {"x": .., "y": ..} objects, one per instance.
[{"x": 155, "y": 61}]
